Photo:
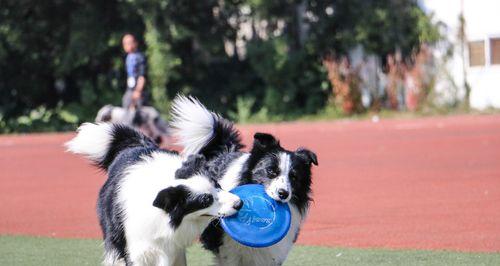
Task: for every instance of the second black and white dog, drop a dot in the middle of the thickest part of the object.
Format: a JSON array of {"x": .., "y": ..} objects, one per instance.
[
  {"x": 148, "y": 215},
  {"x": 286, "y": 176},
  {"x": 146, "y": 119}
]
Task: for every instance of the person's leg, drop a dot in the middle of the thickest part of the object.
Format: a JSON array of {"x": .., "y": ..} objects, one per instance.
[
  {"x": 127, "y": 99},
  {"x": 145, "y": 98}
]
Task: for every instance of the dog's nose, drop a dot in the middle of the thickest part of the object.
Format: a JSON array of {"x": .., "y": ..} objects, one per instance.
[
  {"x": 283, "y": 193},
  {"x": 237, "y": 205}
]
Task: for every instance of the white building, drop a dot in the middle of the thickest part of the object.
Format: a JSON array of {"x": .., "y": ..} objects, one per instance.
[{"x": 479, "y": 63}]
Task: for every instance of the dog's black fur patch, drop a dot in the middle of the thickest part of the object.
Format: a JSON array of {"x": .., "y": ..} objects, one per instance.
[
  {"x": 218, "y": 165},
  {"x": 263, "y": 145},
  {"x": 178, "y": 202},
  {"x": 226, "y": 139},
  {"x": 300, "y": 178},
  {"x": 193, "y": 164},
  {"x": 212, "y": 237},
  {"x": 124, "y": 137}
]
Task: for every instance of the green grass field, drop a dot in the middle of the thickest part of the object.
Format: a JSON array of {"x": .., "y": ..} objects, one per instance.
[{"x": 19, "y": 251}]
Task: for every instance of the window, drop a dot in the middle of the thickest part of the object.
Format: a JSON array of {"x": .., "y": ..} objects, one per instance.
[
  {"x": 476, "y": 53},
  {"x": 495, "y": 50}
]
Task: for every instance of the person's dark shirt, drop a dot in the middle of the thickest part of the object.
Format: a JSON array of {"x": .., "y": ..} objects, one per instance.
[{"x": 136, "y": 66}]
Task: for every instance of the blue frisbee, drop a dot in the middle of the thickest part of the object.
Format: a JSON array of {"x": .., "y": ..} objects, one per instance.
[{"x": 261, "y": 222}]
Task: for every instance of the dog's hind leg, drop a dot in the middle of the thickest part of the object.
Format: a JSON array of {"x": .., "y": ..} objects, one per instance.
[
  {"x": 112, "y": 258},
  {"x": 145, "y": 253}
]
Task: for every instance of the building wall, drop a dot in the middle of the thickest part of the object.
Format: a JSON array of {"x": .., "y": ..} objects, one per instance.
[{"x": 482, "y": 23}]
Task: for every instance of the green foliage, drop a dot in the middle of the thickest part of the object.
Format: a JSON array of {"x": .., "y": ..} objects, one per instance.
[
  {"x": 66, "y": 55},
  {"x": 286, "y": 92},
  {"x": 245, "y": 114},
  {"x": 41, "y": 119},
  {"x": 160, "y": 64},
  {"x": 61, "y": 52},
  {"x": 381, "y": 26}
]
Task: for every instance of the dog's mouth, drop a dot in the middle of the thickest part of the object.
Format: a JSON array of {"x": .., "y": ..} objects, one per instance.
[
  {"x": 213, "y": 217},
  {"x": 278, "y": 199}
]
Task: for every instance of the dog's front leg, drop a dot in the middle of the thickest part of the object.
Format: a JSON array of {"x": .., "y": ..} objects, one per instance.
[
  {"x": 163, "y": 260},
  {"x": 180, "y": 258},
  {"x": 177, "y": 259}
]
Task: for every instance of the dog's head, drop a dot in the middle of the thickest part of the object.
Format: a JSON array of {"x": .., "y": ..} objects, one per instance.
[
  {"x": 105, "y": 114},
  {"x": 284, "y": 174},
  {"x": 196, "y": 196}
]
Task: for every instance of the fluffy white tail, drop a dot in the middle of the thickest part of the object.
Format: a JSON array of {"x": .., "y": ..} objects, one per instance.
[
  {"x": 102, "y": 142},
  {"x": 192, "y": 124},
  {"x": 91, "y": 141},
  {"x": 199, "y": 130}
]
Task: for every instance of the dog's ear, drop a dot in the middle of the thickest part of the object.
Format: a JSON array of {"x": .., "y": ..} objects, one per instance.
[
  {"x": 264, "y": 142},
  {"x": 169, "y": 198},
  {"x": 193, "y": 164},
  {"x": 307, "y": 155},
  {"x": 106, "y": 117}
]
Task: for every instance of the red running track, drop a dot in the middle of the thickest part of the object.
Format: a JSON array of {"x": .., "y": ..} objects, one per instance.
[{"x": 429, "y": 183}]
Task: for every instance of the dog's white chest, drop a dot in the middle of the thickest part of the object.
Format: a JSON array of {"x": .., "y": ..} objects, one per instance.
[{"x": 233, "y": 253}]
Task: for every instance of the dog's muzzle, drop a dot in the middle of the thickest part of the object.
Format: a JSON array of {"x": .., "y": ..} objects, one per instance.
[{"x": 283, "y": 194}]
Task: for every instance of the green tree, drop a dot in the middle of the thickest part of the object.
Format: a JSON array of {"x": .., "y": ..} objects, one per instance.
[{"x": 63, "y": 59}]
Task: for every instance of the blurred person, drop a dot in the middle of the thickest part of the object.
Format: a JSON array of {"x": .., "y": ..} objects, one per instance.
[
  {"x": 135, "y": 65},
  {"x": 134, "y": 111}
]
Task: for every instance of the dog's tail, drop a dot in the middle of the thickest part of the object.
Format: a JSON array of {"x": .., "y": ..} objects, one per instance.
[
  {"x": 199, "y": 130},
  {"x": 102, "y": 142}
]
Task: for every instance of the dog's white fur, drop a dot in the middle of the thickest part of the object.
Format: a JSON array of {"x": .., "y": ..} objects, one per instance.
[
  {"x": 229, "y": 180},
  {"x": 151, "y": 240},
  {"x": 92, "y": 141},
  {"x": 282, "y": 181},
  {"x": 189, "y": 124}
]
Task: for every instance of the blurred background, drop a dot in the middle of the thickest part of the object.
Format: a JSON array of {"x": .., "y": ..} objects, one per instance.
[{"x": 251, "y": 60}]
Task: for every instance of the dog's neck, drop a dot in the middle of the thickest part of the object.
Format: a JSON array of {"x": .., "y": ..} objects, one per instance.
[{"x": 189, "y": 230}]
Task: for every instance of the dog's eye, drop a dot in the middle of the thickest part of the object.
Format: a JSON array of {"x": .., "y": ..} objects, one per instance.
[
  {"x": 206, "y": 200},
  {"x": 216, "y": 184},
  {"x": 271, "y": 173}
]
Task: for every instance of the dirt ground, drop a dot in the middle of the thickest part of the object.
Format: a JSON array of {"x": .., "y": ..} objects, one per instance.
[{"x": 427, "y": 183}]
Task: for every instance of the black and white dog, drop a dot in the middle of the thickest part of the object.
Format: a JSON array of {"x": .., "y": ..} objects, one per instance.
[
  {"x": 147, "y": 215},
  {"x": 286, "y": 176},
  {"x": 146, "y": 119}
]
